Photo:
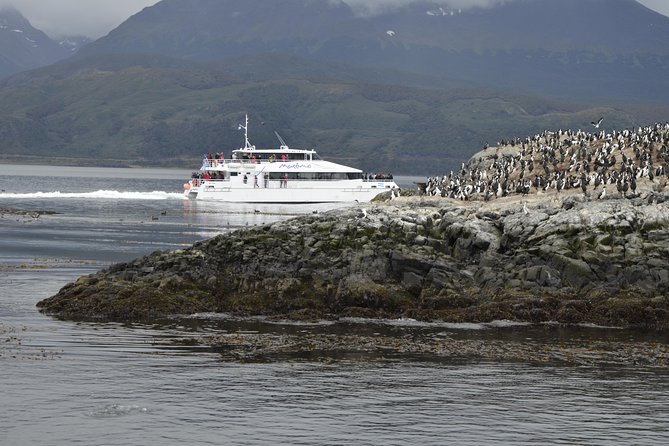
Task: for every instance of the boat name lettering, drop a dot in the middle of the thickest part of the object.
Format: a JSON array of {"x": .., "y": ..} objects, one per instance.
[{"x": 294, "y": 166}]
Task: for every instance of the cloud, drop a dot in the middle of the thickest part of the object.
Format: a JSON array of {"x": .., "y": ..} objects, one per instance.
[
  {"x": 372, "y": 7},
  {"x": 661, "y": 6},
  {"x": 95, "y": 18},
  {"x": 91, "y": 18}
]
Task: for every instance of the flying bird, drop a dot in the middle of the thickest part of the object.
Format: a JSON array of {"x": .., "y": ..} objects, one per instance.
[{"x": 598, "y": 123}]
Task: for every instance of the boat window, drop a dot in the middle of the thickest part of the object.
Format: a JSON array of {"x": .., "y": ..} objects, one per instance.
[
  {"x": 319, "y": 176},
  {"x": 278, "y": 157}
]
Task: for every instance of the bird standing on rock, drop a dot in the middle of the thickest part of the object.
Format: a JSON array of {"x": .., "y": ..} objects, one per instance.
[
  {"x": 602, "y": 194},
  {"x": 566, "y": 161}
]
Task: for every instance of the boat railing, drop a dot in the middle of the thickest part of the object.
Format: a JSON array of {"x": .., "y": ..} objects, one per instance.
[
  {"x": 210, "y": 162},
  {"x": 378, "y": 180},
  {"x": 274, "y": 183},
  {"x": 261, "y": 183},
  {"x": 238, "y": 163},
  {"x": 207, "y": 162}
]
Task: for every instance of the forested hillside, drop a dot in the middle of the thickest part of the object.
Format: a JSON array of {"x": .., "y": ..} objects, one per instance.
[{"x": 124, "y": 110}]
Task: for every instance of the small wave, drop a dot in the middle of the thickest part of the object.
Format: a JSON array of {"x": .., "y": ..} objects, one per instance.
[
  {"x": 117, "y": 410},
  {"x": 583, "y": 325},
  {"x": 474, "y": 326},
  {"x": 208, "y": 316},
  {"x": 261, "y": 319},
  {"x": 104, "y": 194},
  {"x": 408, "y": 322},
  {"x": 503, "y": 323}
]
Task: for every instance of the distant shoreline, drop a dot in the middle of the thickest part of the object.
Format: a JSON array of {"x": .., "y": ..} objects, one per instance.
[{"x": 88, "y": 162}]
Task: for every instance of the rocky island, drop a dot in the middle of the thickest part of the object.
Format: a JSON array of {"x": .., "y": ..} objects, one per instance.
[
  {"x": 568, "y": 260},
  {"x": 489, "y": 242}
]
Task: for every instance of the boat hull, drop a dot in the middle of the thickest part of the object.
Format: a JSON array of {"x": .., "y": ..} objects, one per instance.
[{"x": 290, "y": 193}]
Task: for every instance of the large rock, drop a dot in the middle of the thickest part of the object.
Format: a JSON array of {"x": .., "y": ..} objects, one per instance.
[{"x": 570, "y": 260}]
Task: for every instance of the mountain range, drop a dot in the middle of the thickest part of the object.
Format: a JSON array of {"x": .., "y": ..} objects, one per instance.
[
  {"x": 593, "y": 48},
  {"x": 22, "y": 47},
  {"x": 414, "y": 89}
]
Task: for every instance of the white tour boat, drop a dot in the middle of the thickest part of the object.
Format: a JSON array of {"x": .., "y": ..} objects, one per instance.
[{"x": 282, "y": 175}]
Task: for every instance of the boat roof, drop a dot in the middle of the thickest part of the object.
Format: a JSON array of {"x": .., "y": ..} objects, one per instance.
[
  {"x": 253, "y": 150},
  {"x": 315, "y": 164}
]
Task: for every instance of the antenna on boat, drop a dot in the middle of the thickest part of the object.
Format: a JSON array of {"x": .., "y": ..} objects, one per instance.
[
  {"x": 247, "y": 144},
  {"x": 284, "y": 146}
]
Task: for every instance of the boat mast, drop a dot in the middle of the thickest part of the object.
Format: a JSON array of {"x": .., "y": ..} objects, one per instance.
[{"x": 247, "y": 144}]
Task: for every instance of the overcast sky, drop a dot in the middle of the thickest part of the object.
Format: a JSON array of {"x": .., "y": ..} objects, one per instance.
[{"x": 95, "y": 18}]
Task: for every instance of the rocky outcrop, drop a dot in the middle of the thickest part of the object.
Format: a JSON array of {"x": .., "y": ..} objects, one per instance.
[{"x": 538, "y": 258}]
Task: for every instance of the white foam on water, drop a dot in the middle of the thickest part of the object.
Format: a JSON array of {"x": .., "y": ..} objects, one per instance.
[
  {"x": 100, "y": 194},
  {"x": 603, "y": 327},
  {"x": 502, "y": 323},
  {"x": 208, "y": 316},
  {"x": 463, "y": 326},
  {"x": 263, "y": 319},
  {"x": 408, "y": 322}
]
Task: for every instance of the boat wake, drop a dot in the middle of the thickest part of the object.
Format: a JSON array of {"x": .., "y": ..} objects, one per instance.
[{"x": 104, "y": 194}]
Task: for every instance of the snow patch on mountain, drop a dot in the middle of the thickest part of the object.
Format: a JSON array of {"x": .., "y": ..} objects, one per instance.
[{"x": 441, "y": 12}]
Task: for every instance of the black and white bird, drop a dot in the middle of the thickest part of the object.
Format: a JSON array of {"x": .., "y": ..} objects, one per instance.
[
  {"x": 598, "y": 123},
  {"x": 602, "y": 194}
]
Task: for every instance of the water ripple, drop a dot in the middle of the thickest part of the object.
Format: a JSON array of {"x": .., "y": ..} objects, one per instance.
[
  {"x": 65, "y": 383},
  {"x": 117, "y": 410}
]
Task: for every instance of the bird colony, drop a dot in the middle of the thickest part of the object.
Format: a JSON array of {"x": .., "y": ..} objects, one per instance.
[{"x": 599, "y": 165}]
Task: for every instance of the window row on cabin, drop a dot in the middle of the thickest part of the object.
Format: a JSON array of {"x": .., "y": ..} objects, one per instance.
[{"x": 328, "y": 176}]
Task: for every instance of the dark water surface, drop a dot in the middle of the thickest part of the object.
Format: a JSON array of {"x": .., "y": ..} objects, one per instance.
[{"x": 64, "y": 383}]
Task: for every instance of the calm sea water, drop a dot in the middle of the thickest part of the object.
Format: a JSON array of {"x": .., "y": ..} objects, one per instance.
[{"x": 64, "y": 383}]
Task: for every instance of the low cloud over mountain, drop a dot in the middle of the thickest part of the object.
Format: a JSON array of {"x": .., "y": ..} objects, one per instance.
[{"x": 373, "y": 7}]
